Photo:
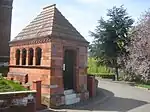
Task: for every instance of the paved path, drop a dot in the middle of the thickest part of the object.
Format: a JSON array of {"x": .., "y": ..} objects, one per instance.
[{"x": 122, "y": 98}]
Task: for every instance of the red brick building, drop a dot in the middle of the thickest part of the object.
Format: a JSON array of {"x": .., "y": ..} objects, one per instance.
[
  {"x": 52, "y": 50},
  {"x": 5, "y": 28}
]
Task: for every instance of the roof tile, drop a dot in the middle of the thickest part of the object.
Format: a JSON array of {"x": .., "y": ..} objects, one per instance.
[{"x": 50, "y": 22}]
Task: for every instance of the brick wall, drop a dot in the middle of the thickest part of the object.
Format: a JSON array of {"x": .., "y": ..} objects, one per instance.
[
  {"x": 58, "y": 47},
  {"x": 46, "y": 53},
  {"x": 50, "y": 71},
  {"x": 34, "y": 72}
]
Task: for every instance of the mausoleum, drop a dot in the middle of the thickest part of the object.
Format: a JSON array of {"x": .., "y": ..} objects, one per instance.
[{"x": 50, "y": 49}]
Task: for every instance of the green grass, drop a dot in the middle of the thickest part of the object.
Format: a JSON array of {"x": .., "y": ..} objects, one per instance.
[
  {"x": 10, "y": 86},
  {"x": 143, "y": 86}
]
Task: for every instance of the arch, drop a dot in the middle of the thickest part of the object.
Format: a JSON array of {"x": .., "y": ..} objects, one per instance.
[
  {"x": 30, "y": 56},
  {"x": 24, "y": 55},
  {"x": 38, "y": 55},
  {"x": 17, "y": 57}
]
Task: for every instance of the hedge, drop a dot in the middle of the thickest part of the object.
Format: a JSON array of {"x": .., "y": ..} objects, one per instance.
[
  {"x": 93, "y": 68},
  {"x": 104, "y": 75}
]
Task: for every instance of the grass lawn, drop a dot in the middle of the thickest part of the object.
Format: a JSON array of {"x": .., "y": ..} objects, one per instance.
[
  {"x": 10, "y": 86},
  {"x": 143, "y": 85}
]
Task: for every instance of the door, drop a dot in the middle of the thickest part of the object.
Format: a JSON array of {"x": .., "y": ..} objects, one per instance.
[{"x": 68, "y": 69}]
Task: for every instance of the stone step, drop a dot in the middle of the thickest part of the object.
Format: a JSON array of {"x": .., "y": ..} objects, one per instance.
[
  {"x": 72, "y": 101},
  {"x": 67, "y": 92},
  {"x": 70, "y": 96}
]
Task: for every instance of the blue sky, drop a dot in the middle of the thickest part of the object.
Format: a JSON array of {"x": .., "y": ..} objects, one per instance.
[{"x": 83, "y": 14}]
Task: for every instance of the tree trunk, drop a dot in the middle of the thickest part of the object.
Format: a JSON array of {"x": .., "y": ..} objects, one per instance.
[{"x": 117, "y": 74}]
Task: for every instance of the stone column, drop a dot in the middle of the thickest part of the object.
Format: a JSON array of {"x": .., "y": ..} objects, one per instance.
[
  {"x": 20, "y": 57},
  {"x": 34, "y": 56},
  {"x": 42, "y": 53},
  {"x": 27, "y": 57}
]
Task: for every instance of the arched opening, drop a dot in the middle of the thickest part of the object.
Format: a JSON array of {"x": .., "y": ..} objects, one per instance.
[
  {"x": 30, "y": 56},
  {"x": 24, "y": 55},
  {"x": 17, "y": 57},
  {"x": 38, "y": 56}
]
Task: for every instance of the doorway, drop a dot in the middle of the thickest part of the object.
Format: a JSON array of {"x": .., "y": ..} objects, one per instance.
[{"x": 68, "y": 69}]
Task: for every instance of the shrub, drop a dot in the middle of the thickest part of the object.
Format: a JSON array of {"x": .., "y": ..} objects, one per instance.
[{"x": 93, "y": 68}]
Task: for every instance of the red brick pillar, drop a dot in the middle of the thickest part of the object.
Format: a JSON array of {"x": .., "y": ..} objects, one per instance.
[
  {"x": 37, "y": 86},
  {"x": 77, "y": 71},
  {"x": 91, "y": 86}
]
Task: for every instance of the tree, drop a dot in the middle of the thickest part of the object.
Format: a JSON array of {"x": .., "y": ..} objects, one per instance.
[
  {"x": 138, "y": 63},
  {"x": 111, "y": 38}
]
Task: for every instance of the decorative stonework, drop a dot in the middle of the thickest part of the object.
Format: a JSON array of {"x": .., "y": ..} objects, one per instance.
[{"x": 30, "y": 41}]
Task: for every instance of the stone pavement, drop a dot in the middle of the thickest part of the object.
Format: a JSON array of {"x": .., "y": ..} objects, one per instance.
[{"x": 114, "y": 97}]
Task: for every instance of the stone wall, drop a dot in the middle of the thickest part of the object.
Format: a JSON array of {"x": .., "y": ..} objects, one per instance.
[{"x": 23, "y": 101}]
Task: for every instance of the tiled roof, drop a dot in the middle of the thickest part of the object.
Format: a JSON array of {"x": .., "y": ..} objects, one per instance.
[{"x": 50, "y": 22}]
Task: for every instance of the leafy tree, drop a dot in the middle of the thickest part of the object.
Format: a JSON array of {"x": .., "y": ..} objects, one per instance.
[{"x": 111, "y": 38}]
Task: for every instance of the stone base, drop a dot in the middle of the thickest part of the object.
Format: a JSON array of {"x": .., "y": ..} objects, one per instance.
[
  {"x": 46, "y": 100},
  {"x": 55, "y": 101},
  {"x": 84, "y": 96}
]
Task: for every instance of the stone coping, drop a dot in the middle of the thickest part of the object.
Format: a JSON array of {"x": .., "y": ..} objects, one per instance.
[
  {"x": 17, "y": 92},
  {"x": 29, "y": 66},
  {"x": 4, "y": 56}
]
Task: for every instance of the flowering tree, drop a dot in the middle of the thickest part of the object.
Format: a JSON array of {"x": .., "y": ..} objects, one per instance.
[{"x": 138, "y": 62}]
